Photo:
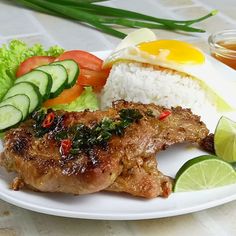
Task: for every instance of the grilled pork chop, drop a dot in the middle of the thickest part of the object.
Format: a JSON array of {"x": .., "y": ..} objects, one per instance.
[{"x": 85, "y": 152}]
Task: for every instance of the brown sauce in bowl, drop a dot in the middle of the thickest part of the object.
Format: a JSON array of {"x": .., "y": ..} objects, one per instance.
[{"x": 226, "y": 53}]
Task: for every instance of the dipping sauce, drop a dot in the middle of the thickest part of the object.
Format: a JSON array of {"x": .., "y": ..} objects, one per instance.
[
  {"x": 226, "y": 59},
  {"x": 223, "y": 47}
]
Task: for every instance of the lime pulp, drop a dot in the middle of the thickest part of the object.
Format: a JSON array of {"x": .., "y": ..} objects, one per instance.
[
  {"x": 225, "y": 139},
  {"x": 204, "y": 172}
]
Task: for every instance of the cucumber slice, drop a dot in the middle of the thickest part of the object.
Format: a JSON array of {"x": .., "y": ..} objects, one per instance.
[
  {"x": 30, "y": 90},
  {"x": 72, "y": 69},
  {"x": 9, "y": 116},
  {"x": 19, "y": 101},
  {"x": 59, "y": 78},
  {"x": 39, "y": 78}
]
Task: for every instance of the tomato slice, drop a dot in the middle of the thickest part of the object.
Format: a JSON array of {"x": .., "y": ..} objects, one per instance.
[
  {"x": 33, "y": 62},
  {"x": 84, "y": 59},
  {"x": 91, "y": 72},
  {"x": 67, "y": 96},
  {"x": 92, "y": 78},
  {"x": 97, "y": 89}
]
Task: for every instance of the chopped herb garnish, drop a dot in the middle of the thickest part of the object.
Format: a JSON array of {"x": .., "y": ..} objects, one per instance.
[
  {"x": 61, "y": 135},
  {"x": 149, "y": 113},
  {"x": 47, "y": 122},
  {"x": 81, "y": 138},
  {"x": 130, "y": 115}
]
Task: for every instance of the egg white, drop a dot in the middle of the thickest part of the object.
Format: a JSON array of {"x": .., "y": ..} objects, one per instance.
[{"x": 221, "y": 91}]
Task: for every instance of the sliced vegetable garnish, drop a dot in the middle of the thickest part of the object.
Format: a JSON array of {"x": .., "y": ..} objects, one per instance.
[
  {"x": 59, "y": 78},
  {"x": 28, "y": 88},
  {"x": 67, "y": 96},
  {"x": 32, "y": 63},
  {"x": 65, "y": 147},
  {"x": 19, "y": 101},
  {"x": 72, "y": 70},
  {"x": 84, "y": 59},
  {"x": 93, "y": 78},
  {"x": 13, "y": 54},
  {"x": 87, "y": 100},
  {"x": 39, "y": 78},
  {"x": 48, "y": 121},
  {"x": 204, "y": 172},
  {"x": 225, "y": 139},
  {"x": 91, "y": 72},
  {"x": 9, "y": 116},
  {"x": 164, "y": 114}
]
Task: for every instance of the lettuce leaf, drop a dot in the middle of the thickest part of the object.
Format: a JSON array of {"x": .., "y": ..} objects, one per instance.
[
  {"x": 87, "y": 100},
  {"x": 5, "y": 81},
  {"x": 13, "y": 54}
]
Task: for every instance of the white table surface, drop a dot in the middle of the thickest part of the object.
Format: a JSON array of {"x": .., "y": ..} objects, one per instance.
[{"x": 36, "y": 27}]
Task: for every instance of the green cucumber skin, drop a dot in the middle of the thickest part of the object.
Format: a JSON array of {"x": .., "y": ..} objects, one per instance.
[
  {"x": 63, "y": 85},
  {"x": 49, "y": 84},
  {"x": 40, "y": 99},
  {"x": 72, "y": 83},
  {"x": 12, "y": 97},
  {"x": 47, "y": 95},
  {"x": 59, "y": 91},
  {"x": 35, "y": 88},
  {"x": 12, "y": 126}
]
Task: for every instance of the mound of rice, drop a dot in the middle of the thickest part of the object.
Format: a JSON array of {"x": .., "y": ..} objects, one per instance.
[{"x": 143, "y": 83}]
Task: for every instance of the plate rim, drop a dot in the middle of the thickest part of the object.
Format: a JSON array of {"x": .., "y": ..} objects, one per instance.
[{"x": 117, "y": 216}]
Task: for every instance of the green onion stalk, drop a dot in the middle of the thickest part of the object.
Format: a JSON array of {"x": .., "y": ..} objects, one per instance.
[{"x": 105, "y": 18}]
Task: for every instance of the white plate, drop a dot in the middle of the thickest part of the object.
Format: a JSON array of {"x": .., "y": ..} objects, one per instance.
[{"x": 111, "y": 206}]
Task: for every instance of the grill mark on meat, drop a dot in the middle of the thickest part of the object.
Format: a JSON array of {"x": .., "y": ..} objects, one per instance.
[
  {"x": 75, "y": 165},
  {"x": 21, "y": 144},
  {"x": 126, "y": 164}
]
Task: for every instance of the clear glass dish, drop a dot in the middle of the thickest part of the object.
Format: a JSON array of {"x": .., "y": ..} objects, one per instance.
[{"x": 223, "y": 46}]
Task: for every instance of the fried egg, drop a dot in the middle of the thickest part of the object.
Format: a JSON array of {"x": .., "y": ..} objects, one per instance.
[{"x": 182, "y": 57}]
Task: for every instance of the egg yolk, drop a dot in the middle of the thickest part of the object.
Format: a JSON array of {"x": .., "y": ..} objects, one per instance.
[{"x": 177, "y": 51}]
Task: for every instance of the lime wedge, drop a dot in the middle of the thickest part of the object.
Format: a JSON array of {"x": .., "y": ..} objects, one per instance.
[
  {"x": 204, "y": 172},
  {"x": 225, "y": 139}
]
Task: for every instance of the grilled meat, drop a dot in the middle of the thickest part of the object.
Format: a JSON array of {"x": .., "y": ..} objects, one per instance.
[
  {"x": 129, "y": 134},
  {"x": 207, "y": 144},
  {"x": 140, "y": 177}
]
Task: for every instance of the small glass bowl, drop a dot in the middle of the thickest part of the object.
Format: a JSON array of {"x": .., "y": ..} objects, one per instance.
[{"x": 223, "y": 46}]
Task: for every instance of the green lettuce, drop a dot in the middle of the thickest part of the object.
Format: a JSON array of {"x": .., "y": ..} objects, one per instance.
[
  {"x": 87, "y": 100},
  {"x": 5, "y": 81},
  {"x": 13, "y": 54}
]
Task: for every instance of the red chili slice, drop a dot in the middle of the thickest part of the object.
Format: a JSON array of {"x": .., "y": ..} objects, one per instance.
[
  {"x": 164, "y": 114},
  {"x": 48, "y": 120},
  {"x": 65, "y": 146}
]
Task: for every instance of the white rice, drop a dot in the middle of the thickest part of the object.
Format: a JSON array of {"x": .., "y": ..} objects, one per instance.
[{"x": 143, "y": 83}]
